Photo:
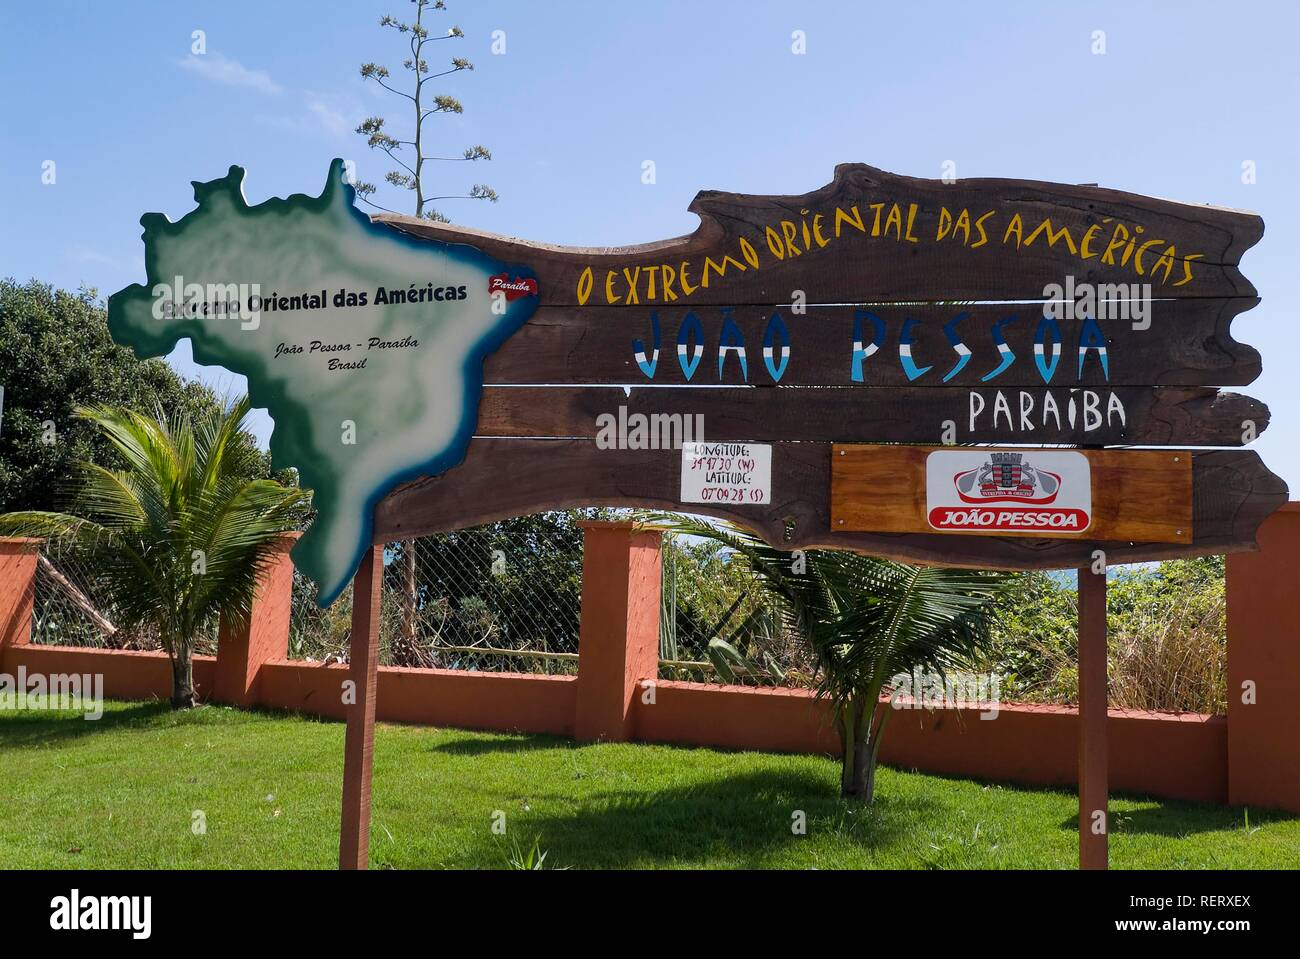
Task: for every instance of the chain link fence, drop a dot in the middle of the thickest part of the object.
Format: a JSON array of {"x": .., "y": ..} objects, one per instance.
[
  {"x": 71, "y": 607},
  {"x": 719, "y": 624},
  {"x": 507, "y": 597},
  {"x": 504, "y": 597}
]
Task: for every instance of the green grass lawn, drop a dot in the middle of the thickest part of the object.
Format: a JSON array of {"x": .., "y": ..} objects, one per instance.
[{"x": 123, "y": 792}]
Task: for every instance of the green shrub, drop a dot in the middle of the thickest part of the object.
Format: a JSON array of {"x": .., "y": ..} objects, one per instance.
[{"x": 1167, "y": 642}]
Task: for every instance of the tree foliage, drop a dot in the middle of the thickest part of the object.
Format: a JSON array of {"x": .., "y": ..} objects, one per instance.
[
  {"x": 1166, "y": 637},
  {"x": 410, "y": 156},
  {"x": 180, "y": 536},
  {"x": 55, "y": 355},
  {"x": 865, "y": 620}
]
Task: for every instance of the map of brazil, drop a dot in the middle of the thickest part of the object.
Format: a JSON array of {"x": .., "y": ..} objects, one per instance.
[{"x": 366, "y": 345}]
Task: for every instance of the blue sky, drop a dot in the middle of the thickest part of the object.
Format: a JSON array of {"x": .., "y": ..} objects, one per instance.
[{"x": 710, "y": 91}]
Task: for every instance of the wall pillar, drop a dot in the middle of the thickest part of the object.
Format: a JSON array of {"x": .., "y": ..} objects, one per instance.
[
  {"x": 18, "y": 557},
  {"x": 1264, "y": 663},
  {"x": 242, "y": 649},
  {"x": 618, "y": 643}
]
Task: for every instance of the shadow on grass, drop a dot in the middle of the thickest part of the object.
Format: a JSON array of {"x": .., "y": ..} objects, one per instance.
[
  {"x": 34, "y": 728},
  {"x": 1162, "y": 817},
  {"x": 1179, "y": 819},
  {"x": 736, "y": 820},
  {"x": 494, "y": 742}
]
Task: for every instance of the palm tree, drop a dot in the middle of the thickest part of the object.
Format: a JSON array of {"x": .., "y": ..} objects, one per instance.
[
  {"x": 865, "y": 620},
  {"x": 179, "y": 538}
]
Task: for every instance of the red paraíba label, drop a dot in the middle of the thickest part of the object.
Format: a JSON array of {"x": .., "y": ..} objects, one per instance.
[
  {"x": 512, "y": 288},
  {"x": 1008, "y": 519}
]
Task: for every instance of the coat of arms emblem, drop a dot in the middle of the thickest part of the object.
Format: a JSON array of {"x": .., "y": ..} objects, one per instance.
[{"x": 1007, "y": 478}]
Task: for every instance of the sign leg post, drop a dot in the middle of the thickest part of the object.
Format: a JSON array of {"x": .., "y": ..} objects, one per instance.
[
  {"x": 1094, "y": 816},
  {"x": 358, "y": 747}
]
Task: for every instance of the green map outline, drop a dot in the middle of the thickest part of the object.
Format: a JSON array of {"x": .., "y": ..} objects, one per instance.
[{"x": 288, "y": 444}]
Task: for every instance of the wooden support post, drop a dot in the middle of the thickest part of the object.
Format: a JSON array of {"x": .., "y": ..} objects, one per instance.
[
  {"x": 1094, "y": 816},
  {"x": 359, "y": 742}
]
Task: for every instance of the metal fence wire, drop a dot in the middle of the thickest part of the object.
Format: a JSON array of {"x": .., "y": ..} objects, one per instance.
[
  {"x": 71, "y": 608},
  {"x": 719, "y": 624},
  {"x": 505, "y": 597}
]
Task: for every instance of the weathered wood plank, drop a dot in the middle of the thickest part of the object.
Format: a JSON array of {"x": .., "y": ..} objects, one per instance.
[
  {"x": 1122, "y": 416},
  {"x": 1232, "y": 494},
  {"x": 1137, "y": 495},
  {"x": 872, "y": 236},
  {"x": 1188, "y": 344}
]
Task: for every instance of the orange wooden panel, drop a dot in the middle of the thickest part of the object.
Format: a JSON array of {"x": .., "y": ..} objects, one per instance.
[{"x": 1141, "y": 496}]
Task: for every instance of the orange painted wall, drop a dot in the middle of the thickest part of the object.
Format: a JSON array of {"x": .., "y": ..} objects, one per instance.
[
  {"x": 1252, "y": 756},
  {"x": 1264, "y": 650},
  {"x": 127, "y": 674},
  {"x": 18, "y": 557},
  {"x": 431, "y": 697},
  {"x": 1180, "y": 756},
  {"x": 1176, "y": 755},
  {"x": 619, "y": 640},
  {"x": 265, "y": 637}
]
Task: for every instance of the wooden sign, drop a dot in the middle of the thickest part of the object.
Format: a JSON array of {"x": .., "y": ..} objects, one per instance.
[
  {"x": 884, "y": 309},
  {"x": 873, "y": 237},
  {"x": 1132, "y": 300},
  {"x": 1103, "y": 495},
  {"x": 861, "y": 346},
  {"x": 1123, "y": 416},
  {"x": 877, "y": 309},
  {"x": 1232, "y": 493}
]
